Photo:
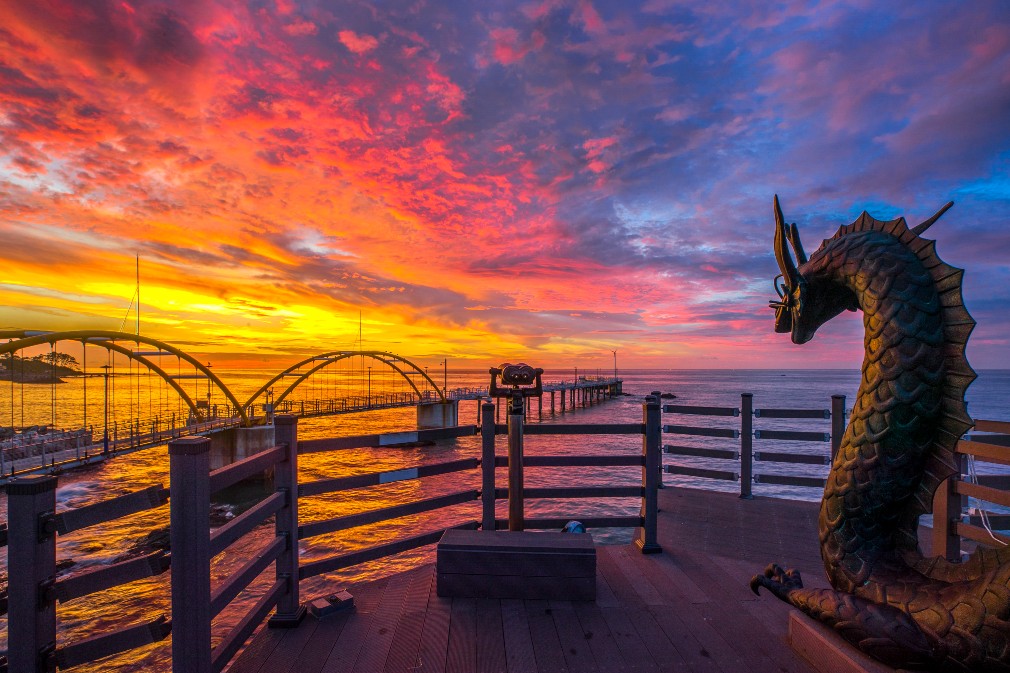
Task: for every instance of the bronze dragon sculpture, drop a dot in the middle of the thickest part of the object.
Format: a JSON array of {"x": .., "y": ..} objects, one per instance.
[{"x": 887, "y": 599}]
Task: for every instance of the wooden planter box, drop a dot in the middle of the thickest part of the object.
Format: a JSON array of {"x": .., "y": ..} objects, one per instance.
[{"x": 502, "y": 564}]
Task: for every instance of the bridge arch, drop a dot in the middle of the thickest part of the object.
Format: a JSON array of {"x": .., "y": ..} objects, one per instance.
[
  {"x": 391, "y": 360},
  {"x": 21, "y": 339}
]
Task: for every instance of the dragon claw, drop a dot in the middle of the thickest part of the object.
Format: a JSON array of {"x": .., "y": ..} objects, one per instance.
[{"x": 778, "y": 581}]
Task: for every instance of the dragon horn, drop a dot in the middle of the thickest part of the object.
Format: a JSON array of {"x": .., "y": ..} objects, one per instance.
[
  {"x": 794, "y": 238},
  {"x": 919, "y": 228},
  {"x": 782, "y": 255}
]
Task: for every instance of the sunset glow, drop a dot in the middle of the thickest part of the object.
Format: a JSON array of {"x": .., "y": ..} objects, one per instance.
[{"x": 547, "y": 181}]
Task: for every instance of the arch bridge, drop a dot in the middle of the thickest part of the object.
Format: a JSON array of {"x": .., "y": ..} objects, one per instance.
[
  {"x": 148, "y": 352},
  {"x": 317, "y": 363}
]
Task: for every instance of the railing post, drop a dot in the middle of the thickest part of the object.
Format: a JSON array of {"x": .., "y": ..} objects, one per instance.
[
  {"x": 746, "y": 445},
  {"x": 515, "y": 425},
  {"x": 645, "y": 539},
  {"x": 31, "y": 552},
  {"x": 837, "y": 423},
  {"x": 659, "y": 470},
  {"x": 946, "y": 513},
  {"x": 487, "y": 498},
  {"x": 189, "y": 494},
  {"x": 289, "y": 611}
]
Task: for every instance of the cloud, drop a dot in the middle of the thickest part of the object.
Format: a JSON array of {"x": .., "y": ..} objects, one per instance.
[
  {"x": 563, "y": 176},
  {"x": 359, "y": 44}
]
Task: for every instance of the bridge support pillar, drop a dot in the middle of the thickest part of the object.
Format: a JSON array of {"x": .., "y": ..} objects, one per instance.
[
  {"x": 438, "y": 414},
  {"x": 231, "y": 445}
]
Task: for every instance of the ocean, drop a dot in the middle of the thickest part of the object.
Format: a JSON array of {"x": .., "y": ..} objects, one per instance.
[{"x": 989, "y": 398}]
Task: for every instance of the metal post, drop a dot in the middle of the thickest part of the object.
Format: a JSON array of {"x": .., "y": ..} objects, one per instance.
[
  {"x": 516, "y": 516},
  {"x": 645, "y": 538},
  {"x": 31, "y": 539},
  {"x": 947, "y": 507},
  {"x": 105, "y": 433},
  {"x": 487, "y": 433},
  {"x": 289, "y": 611},
  {"x": 746, "y": 445},
  {"x": 189, "y": 493},
  {"x": 837, "y": 423},
  {"x": 659, "y": 468}
]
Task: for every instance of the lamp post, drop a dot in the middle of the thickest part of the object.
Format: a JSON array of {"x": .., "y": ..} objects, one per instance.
[
  {"x": 369, "y": 386},
  {"x": 615, "y": 365},
  {"x": 425, "y": 382},
  {"x": 208, "y": 391},
  {"x": 445, "y": 374},
  {"x": 105, "y": 433}
]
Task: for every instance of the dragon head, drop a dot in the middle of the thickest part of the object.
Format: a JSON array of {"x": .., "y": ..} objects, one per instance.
[{"x": 806, "y": 301}]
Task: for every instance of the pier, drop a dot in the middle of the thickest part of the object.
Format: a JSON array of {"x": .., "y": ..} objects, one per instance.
[{"x": 675, "y": 599}]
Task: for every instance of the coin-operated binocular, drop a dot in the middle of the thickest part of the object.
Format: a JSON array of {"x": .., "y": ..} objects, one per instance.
[{"x": 518, "y": 382}]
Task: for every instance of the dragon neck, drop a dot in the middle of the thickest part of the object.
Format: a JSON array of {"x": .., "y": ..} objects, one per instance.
[{"x": 894, "y": 418}]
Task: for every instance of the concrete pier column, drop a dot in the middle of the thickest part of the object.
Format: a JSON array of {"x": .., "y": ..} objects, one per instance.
[{"x": 438, "y": 414}]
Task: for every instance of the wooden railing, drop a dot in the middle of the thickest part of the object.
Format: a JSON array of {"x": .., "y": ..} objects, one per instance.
[
  {"x": 34, "y": 590},
  {"x": 743, "y": 455},
  {"x": 991, "y": 446}
]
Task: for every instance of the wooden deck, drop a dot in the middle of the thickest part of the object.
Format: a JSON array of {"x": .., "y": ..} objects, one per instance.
[{"x": 687, "y": 609}]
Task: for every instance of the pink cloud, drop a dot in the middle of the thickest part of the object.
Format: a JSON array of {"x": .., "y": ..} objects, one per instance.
[
  {"x": 301, "y": 28},
  {"x": 357, "y": 43}
]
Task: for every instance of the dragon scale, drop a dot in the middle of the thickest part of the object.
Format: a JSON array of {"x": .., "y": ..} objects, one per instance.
[{"x": 887, "y": 599}]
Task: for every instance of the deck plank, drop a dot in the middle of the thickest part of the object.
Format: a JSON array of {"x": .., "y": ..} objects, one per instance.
[
  {"x": 462, "y": 653},
  {"x": 519, "y": 654},
  {"x": 490, "y": 637},
  {"x": 403, "y": 652},
  {"x": 345, "y": 650},
  {"x": 259, "y": 648},
  {"x": 291, "y": 644},
  {"x": 313, "y": 656},
  {"x": 435, "y": 632},
  {"x": 597, "y": 633},
  {"x": 636, "y": 655},
  {"x": 575, "y": 646},
  {"x": 546, "y": 644}
]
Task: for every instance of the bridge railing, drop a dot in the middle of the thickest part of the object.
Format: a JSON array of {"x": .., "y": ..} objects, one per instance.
[
  {"x": 741, "y": 456},
  {"x": 195, "y": 602}
]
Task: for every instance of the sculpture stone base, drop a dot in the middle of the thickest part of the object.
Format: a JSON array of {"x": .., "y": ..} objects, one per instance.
[{"x": 826, "y": 651}]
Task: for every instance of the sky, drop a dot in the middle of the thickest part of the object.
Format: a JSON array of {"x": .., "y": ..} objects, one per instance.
[{"x": 546, "y": 181}]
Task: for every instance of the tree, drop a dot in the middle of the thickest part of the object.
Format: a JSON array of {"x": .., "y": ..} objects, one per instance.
[{"x": 58, "y": 359}]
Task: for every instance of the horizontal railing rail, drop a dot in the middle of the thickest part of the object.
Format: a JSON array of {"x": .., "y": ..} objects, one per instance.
[
  {"x": 574, "y": 461},
  {"x": 322, "y": 486},
  {"x": 386, "y": 439},
  {"x": 384, "y": 514}
]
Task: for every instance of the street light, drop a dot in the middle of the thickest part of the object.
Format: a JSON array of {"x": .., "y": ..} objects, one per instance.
[
  {"x": 445, "y": 374},
  {"x": 615, "y": 365},
  {"x": 208, "y": 391},
  {"x": 369, "y": 386},
  {"x": 105, "y": 434}
]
